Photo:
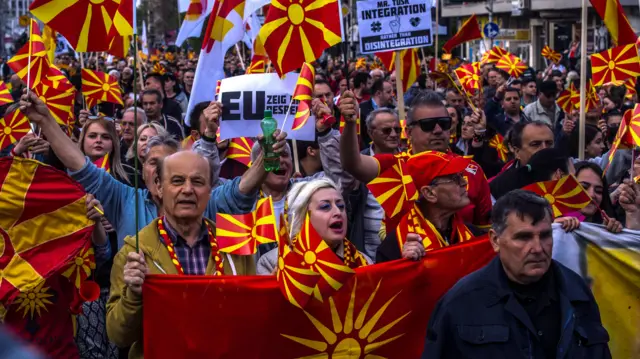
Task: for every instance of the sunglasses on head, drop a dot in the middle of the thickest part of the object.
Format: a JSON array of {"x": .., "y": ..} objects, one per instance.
[{"x": 429, "y": 124}]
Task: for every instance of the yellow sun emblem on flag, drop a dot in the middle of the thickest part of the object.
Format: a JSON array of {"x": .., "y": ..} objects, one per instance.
[
  {"x": 34, "y": 300},
  {"x": 346, "y": 338}
]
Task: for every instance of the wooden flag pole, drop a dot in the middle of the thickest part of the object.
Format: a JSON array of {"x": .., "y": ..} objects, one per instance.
[
  {"x": 240, "y": 57},
  {"x": 583, "y": 81},
  {"x": 399, "y": 86}
]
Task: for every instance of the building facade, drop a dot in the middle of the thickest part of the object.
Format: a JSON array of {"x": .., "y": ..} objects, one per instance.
[{"x": 526, "y": 26}]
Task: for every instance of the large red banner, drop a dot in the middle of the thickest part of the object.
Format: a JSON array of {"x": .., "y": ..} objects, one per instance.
[{"x": 382, "y": 312}]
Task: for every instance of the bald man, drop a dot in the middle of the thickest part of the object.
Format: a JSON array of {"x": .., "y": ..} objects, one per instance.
[{"x": 185, "y": 183}]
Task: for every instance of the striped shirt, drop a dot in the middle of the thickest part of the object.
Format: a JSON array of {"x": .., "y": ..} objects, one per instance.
[{"x": 194, "y": 259}]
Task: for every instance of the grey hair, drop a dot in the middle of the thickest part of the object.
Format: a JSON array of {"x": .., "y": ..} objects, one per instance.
[
  {"x": 142, "y": 116},
  {"x": 162, "y": 140},
  {"x": 257, "y": 149},
  {"x": 424, "y": 99},
  {"x": 160, "y": 131},
  {"x": 523, "y": 204},
  {"x": 298, "y": 200},
  {"x": 372, "y": 116}
]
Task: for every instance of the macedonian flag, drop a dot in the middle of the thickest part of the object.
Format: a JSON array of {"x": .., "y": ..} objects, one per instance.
[
  {"x": 494, "y": 55},
  {"x": 551, "y": 55},
  {"x": 615, "y": 64},
  {"x": 497, "y": 142},
  {"x": 13, "y": 126},
  {"x": 241, "y": 234},
  {"x": 564, "y": 101},
  {"x": 43, "y": 224},
  {"x": 470, "y": 77},
  {"x": 381, "y": 312},
  {"x": 5, "y": 94},
  {"x": 565, "y": 195},
  {"x": 297, "y": 32},
  {"x": 35, "y": 50},
  {"x": 84, "y": 23},
  {"x": 304, "y": 94},
  {"x": 512, "y": 65},
  {"x": 240, "y": 150},
  {"x": 394, "y": 190},
  {"x": 101, "y": 86},
  {"x": 60, "y": 103}
]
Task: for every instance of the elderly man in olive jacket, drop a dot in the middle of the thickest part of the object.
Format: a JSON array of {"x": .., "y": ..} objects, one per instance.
[{"x": 522, "y": 304}]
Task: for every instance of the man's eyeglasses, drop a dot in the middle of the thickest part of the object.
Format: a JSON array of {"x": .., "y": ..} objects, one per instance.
[
  {"x": 457, "y": 179},
  {"x": 387, "y": 130},
  {"x": 429, "y": 124}
]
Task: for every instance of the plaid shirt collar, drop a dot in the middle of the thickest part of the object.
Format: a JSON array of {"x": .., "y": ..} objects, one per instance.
[{"x": 178, "y": 240}]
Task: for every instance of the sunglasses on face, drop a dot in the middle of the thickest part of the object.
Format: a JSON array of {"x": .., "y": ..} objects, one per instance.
[
  {"x": 429, "y": 124},
  {"x": 457, "y": 179},
  {"x": 387, "y": 130}
]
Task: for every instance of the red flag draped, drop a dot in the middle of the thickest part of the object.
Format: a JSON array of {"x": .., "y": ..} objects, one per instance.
[{"x": 382, "y": 312}]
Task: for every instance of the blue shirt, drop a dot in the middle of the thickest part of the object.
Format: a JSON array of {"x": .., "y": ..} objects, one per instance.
[{"x": 118, "y": 200}]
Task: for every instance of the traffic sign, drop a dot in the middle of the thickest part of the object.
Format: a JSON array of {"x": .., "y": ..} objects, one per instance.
[{"x": 491, "y": 30}]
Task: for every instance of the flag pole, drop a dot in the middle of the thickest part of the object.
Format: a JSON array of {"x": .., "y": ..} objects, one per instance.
[
  {"x": 84, "y": 100},
  {"x": 435, "y": 46},
  {"x": 583, "y": 81},
  {"x": 399, "y": 86},
  {"x": 29, "y": 60},
  {"x": 240, "y": 57},
  {"x": 135, "y": 123}
]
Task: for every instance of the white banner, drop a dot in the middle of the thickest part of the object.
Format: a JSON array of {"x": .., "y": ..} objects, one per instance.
[
  {"x": 388, "y": 25},
  {"x": 245, "y": 98}
]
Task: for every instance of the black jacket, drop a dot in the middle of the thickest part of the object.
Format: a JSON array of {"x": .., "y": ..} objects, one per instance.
[
  {"x": 480, "y": 317},
  {"x": 366, "y": 107}
]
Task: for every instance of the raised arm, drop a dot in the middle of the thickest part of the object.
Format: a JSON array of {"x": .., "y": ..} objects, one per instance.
[
  {"x": 329, "y": 142},
  {"x": 363, "y": 168},
  {"x": 37, "y": 112}
]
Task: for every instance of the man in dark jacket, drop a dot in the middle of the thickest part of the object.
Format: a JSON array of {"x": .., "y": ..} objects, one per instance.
[{"x": 521, "y": 304}]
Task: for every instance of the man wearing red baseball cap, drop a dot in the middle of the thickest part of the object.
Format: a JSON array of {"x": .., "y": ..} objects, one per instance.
[
  {"x": 429, "y": 128},
  {"x": 440, "y": 180}
]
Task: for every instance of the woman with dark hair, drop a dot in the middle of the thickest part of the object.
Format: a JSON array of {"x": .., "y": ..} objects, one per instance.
[
  {"x": 589, "y": 175},
  {"x": 594, "y": 143},
  {"x": 456, "y": 124}
]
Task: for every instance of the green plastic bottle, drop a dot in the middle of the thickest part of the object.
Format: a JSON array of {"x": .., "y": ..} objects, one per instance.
[{"x": 269, "y": 126}]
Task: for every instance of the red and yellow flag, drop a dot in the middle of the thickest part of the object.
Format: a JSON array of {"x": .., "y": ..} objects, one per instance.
[
  {"x": 614, "y": 19},
  {"x": 575, "y": 95},
  {"x": 104, "y": 163},
  {"x": 35, "y": 48},
  {"x": 241, "y": 234},
  {"x": 470, "y": 30},
  {"x": 551, "y": 55},
  {"x": 84, "y": 23},
  {"x": 470, "y": 77},
  {"x": 630, "y": 85},
  {"x": 60, "y": 103},
  {"x": 564, "y": 101},
  {"x": 258, "y": 60},
  {"x": 34, "y": 196},
  {"x": 320, "y": 258},
  {"x": 494, "y": 55},
  {"x": 565, "y": 195},
  {"x": 187, "y": 143},
  {"x": 80, "y": 268},
  {"x": 121, "y": 32},
  {"x": 240, "y": 150},
  {"x": 618, "y": 63},
  {"x": 13, "y": 126},
  {"x": 512, "y": 65},
  {"x": 5, "y": 94},
  {"x": 592, "y": 100},
  {"x": 304, "y": 94},
  {"x": 343, "y": 123},
  {"x": 497, "y": 142},
  {"x": 394, "y": 190},
  {"x": 624, "y": 138},
  {"x": 56, "y": 79},
  {"x": 382, "y": 312},
  {"x": 297, "y": 32},
  {"x": 410, "y": 65},
  {"x": 101, "y": 86}
]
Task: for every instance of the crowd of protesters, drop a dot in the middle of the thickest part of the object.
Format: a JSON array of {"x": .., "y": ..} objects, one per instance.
[{"x": 183, "y": 176}]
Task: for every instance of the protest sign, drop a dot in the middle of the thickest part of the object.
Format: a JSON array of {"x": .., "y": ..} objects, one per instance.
[
  {"x": 389, "y": 25},
  {"x": 245, "y": 98}
]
